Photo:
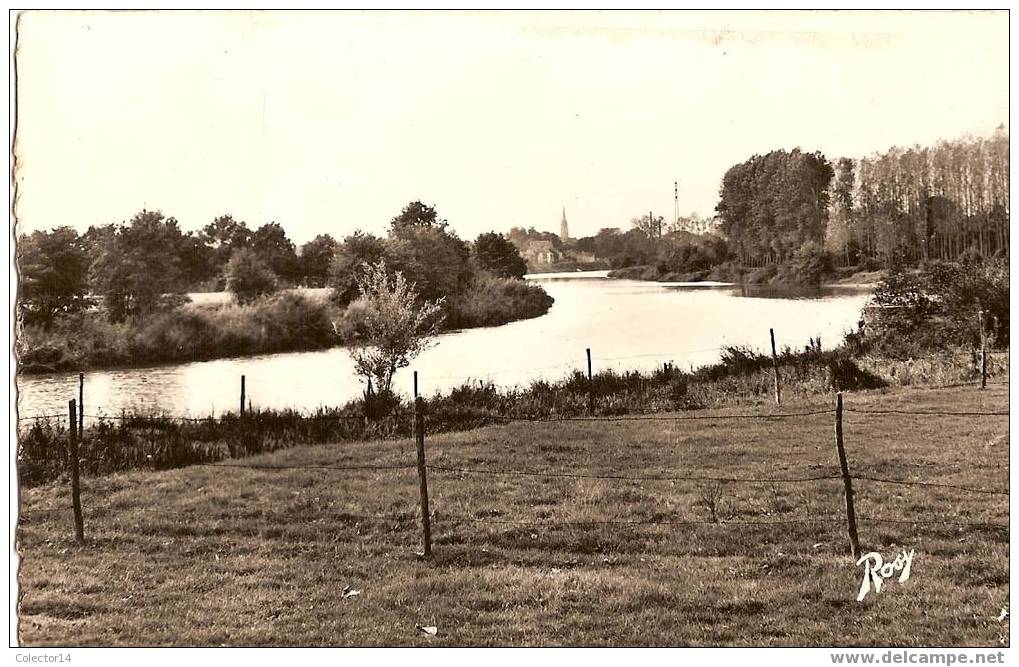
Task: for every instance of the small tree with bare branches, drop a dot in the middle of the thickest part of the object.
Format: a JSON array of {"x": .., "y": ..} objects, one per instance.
[{"x": 393, "y": 325}]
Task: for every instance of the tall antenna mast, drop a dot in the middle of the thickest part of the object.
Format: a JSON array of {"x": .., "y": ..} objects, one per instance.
[{"x": 675, "y": 205}]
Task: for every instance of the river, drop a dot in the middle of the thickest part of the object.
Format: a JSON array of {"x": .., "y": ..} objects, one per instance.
[{"x": 627, "y": 324}]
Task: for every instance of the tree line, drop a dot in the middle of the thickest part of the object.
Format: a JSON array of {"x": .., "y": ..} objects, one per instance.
[
  {"x": 797, "y": 216},
  {"x": 903, "y": 206},
  {"x": 139, "y": 266},
  {"x": 146, "y": 264},
  {"x": 923, "y": 203}
]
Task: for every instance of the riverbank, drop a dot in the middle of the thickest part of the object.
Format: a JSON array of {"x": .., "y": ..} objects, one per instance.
[
  {"x": 768, "y": 275},
  {"x": 155, "y": 439},
  {"x": 290, "y": 321},
  {"x": 261, "y": 555}
]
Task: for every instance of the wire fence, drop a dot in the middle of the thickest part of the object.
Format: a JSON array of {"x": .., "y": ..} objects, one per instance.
[
  {"x": 447, "y": 474},
  {"x": 577, "y": 365},
  {"x": 244, "y": 434}
]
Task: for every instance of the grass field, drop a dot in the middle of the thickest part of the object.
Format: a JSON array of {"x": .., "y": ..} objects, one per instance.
[{"x": 242, "y": 556}]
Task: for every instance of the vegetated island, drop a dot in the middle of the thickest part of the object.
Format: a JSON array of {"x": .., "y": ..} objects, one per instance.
[{"x": 115, "y": 296}]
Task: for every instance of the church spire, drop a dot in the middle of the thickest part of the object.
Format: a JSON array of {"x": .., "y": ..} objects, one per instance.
[{"x": 564, "y": 230}]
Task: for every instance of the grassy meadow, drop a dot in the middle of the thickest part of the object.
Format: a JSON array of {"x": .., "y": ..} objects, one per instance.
[{"x": 252, "y": 556}]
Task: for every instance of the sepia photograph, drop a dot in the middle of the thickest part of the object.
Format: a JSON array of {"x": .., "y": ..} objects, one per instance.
[{"x": 450, "y": 328}]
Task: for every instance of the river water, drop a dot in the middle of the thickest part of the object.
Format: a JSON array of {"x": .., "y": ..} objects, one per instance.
[{"x": 627, "y": 324}]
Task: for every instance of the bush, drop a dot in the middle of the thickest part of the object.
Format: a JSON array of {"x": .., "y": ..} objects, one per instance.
[
  {"x": 395, "y": 326},
  {"x": 294, "y": 322},
  {"x": 762, "y": 274},
  {"x": 248, "y": 277},
  {"x": 281, "y": 323},
  {"x": 490, "y": 301},
  {"x": 936, "y": 308},
  {"x": 809, "y": 265},
  {"x": 73, "y": 342}
]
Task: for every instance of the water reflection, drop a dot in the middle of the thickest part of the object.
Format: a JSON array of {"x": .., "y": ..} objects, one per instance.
[
  {"x": 627, "y": 324},
  {"x": 794, "y": 291}
]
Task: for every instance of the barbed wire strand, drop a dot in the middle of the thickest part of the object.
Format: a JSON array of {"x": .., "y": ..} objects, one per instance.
[
  {"x": 401, "y": 466},
  {"x": 116, "y": 512},
  {"x": 558, "y": 474},
  {"x": 619, "y": 418},
  {"x": 252, "y": 418},
  {"x": 660, "y": 355},
  {"x": 595, "y": 522},
  {"x": 975, "y": 524},
  {"x": 654, "y": 478},
  {"x": 549, "y": 418},
  {"x": 931, "y": 413},
  {"x": 937, "y": 484}
]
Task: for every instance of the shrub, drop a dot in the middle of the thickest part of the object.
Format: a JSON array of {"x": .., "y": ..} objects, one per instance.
[
  {"x": 248, "y": 277},
  {"x": 490, "y": 301},
  {"x": 277, "y": 324},
  {"x": 914, "y": 312},
  {"x": 810, "y": 264},
  {"x": 395, "y": 326},
  {"x": 293, "y": 321}
]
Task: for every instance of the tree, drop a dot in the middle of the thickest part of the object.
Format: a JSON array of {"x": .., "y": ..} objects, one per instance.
[
  {"x": 53, "y": 268},
  {"x": 602, "y": 244},
  {"x": 771, "y": 204},
  {"x": 838, "y": 237},
  {"x": 271, "y": 244},
  {"x": 393, "y": 327},
  {"x": 137, "y": 268},
  {"x": 933, "y": 203},
  {"x": 810, "y": 263},
  {"x": 632, "y": 248},
  {"x": 494, "y": 253},
  {"x": 224, "y": 235},
  {"x": 316, "y": 258},
  {"x": 357, "y": 251},
  {"x": 682, "y": 252},
  {"x": 417, "y": 214},
  {"x": 435, "y": 259},
  {"x": 197, "y": 261},
  {"x": 95, "y": 238},
  {"x": 650, "y": 225},
  {"x": 248, "y": 277}
]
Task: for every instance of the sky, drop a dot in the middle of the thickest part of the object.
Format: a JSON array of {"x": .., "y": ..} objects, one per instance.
[{"x": 332, "y": 122}]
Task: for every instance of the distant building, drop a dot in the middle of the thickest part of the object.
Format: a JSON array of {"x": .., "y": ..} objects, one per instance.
[
  {"x": 564, "y": 229},
  {"x": 541, "y": 252}
]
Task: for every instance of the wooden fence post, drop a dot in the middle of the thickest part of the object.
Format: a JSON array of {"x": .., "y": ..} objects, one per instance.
[
  {"x": 590, "y": 384},
  {"x": 81, "y": 404},
  {"x": 983, "y": 351},
  {"x": 242, "y": 395},
  {"x": 983, "y": 368},
  {"x": 847, "y": 481},
  {"x": 72, "y": 432},
  {"x": 419, "y": 434},
  {"x": 774, "y": 365}
]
